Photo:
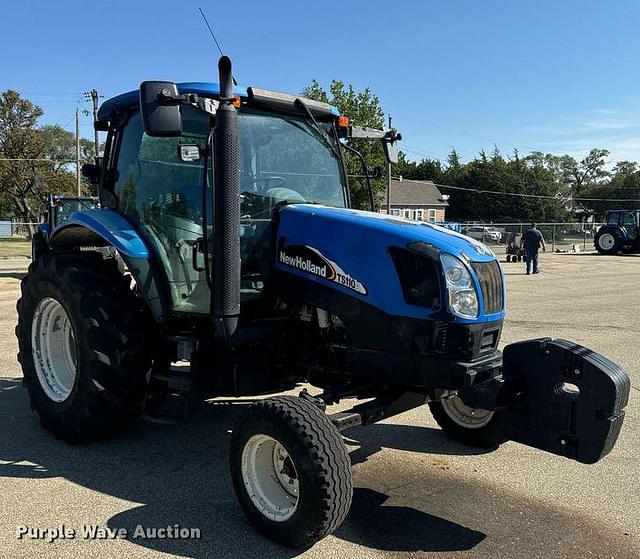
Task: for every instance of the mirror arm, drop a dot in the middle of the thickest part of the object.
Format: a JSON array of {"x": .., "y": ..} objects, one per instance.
[{"x": 363, "y": 164}]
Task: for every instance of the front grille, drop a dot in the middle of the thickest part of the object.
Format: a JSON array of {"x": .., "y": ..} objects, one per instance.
[{"x": 490, "y": 280}]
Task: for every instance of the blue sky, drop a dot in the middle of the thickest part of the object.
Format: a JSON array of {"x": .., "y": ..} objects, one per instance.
[{"x": 554, "y": 76}]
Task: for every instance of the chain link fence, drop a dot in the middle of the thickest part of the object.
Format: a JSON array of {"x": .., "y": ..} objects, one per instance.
[
  {"x": 559, "y": 237},
  {"x": 19, "y": 229},
  {"x": 15, "y": 238}
]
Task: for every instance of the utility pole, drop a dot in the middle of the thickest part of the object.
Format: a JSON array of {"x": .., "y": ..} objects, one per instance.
[
  {"x": 78, "y": 150},
  {"x": 389, "y": 181},
  {"x": 93, "y": 95}
]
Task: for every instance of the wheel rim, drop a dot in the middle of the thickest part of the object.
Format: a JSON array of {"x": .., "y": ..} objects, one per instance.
[
  {"x": 459, "y": 413},
  {"x": 270, "y": 478},
  {"x": 54, "y": 349},
  {"x": 606, "y": 241}
]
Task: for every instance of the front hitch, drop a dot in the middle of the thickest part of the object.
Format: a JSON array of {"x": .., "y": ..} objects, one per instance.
[{"x": 557, "y": 396}]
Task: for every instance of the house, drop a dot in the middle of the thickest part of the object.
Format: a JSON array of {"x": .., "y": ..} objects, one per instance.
[{"x": 419, "y": 200}]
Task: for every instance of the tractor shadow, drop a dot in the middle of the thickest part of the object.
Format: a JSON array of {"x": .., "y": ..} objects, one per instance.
[
  {"x": 424, "y": 440},
  {"x": 13, "y": 275},
  {"x": 178, "y": 474}
]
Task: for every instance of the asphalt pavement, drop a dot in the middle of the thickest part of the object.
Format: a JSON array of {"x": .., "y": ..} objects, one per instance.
[{"x": 417, "y": 494}]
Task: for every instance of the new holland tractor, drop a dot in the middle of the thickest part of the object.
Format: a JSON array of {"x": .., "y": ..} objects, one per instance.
[
  {"x": 57, "y": 209},
  {"x": 225, "y": 239},
  {"x": 620, "y": 233}
]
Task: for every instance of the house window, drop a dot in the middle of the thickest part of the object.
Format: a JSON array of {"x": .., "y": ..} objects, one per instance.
[
  {"x": 395, "y": 211},
  {"x": 418, "y": 215},
  {"x": 432, "y": 215},
  {"x": 407, "y": 213}
]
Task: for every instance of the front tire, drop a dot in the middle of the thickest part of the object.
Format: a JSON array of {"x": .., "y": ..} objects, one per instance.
[
  {"x": 291, "y": 471},
  {"x": 473, "y": 427},
  {"x": 84, "y": 345}
]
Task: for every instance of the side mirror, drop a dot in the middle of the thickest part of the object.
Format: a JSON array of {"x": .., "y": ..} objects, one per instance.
[
  {"x": 160, "y": 108},
  {"x": 388, "y": 147},
  {"x": 390, "y": 152},
  {"x": 92, "y": 172}
]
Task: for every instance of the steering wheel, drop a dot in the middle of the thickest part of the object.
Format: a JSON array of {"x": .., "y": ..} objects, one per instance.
[{"x": 272, "y": 182}]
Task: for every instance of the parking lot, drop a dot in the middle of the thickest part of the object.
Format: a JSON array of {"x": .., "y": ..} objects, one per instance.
[{"x": 417, "y": 494}]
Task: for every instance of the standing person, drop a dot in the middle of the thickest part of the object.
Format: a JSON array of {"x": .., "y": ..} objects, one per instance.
[{"x": 531, "y": 241}]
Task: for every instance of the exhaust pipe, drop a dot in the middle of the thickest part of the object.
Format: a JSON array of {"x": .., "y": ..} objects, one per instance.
[{"x": 226, "y": 210}]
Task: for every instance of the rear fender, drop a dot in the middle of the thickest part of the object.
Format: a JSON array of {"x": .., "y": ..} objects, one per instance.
[
  {"x": 106, "y": 227},
  {"x": 615, "y": 230}
]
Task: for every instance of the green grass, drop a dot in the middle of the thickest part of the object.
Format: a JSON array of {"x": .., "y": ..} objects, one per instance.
[{"x": 14, "y": 246}]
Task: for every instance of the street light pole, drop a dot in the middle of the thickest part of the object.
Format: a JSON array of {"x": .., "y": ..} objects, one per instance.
[{"x": 93, "y": 95}]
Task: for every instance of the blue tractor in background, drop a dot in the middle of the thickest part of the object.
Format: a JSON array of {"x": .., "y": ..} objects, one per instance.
[
  {"x": 56, "y": 210},
  {"x": 225, "y": 239},
  {"x": 621, "y": 233}
]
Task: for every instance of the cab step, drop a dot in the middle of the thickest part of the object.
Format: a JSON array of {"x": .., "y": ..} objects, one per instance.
[{"x": 173, "y": 396}]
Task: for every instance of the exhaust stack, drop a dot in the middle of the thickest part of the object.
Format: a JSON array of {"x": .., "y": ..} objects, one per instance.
[{"x": 226, "y": 209}]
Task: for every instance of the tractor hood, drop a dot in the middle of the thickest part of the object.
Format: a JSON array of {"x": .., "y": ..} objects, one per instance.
[{"x": 351, "y": 251}]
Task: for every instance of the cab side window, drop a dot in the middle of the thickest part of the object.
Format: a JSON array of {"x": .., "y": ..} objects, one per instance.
[
  {"x": 612, "y": 218},
  {"x": 160, "y": 191},
  {"x": 628, "y": 219}
]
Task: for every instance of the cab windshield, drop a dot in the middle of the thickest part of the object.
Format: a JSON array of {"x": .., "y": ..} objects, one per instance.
[
  {"x": 64, "y": 209},
  {"x": 286, "y": 159}
]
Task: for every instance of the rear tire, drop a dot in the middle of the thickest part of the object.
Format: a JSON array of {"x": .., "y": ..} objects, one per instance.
[
  {"x": 291, "y": 471},
  {"x": 473, "y": 427},
  {"x": 84, "y": 345},
  {"x": 609, "y": 242}
]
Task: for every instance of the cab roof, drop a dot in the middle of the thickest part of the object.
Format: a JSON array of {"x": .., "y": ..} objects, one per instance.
[
  {"x": 205, "y": 89},
  {"x": 131, "y": 98}
]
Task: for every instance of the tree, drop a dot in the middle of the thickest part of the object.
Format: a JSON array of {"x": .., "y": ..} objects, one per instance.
[
  {"x": 513, "y": 175},
  {"x": 59, "y": 145},
  {"x": 363, "y": 109},
  {"x": 624, "y": 184},
  {"x": 573, "y": 174},
  {"x": 426, "y": 169},
  {"x": 21, "y": 146},
  {"x": 30, "y": 165}
]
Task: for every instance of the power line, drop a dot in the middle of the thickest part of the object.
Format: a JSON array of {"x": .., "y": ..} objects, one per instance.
[
  {"x": 470, "y": 135},
  {"x": 408, "y": 149},
  {"x": 538, "y": 196}
]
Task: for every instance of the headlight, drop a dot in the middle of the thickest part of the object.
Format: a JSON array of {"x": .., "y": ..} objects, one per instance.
[{"x": 463, "y": 299}]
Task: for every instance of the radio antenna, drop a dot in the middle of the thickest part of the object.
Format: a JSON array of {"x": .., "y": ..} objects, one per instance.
[{"x": 213, "y": 36}]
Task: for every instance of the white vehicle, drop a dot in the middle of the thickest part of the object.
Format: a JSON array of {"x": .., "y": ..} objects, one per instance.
[{"x": 483, "y": 233}]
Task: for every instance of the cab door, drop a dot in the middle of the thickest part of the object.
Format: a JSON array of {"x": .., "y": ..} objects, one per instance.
[
  {"x": 629, "y": 222},
  {"x": 159, "y": 190}
]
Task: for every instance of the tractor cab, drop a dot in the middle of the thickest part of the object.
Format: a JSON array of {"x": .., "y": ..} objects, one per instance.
[
  {"x": 157, "y": 183},
  {"x": 57, "y": 208},
  {"x": 625, "y": 218}
]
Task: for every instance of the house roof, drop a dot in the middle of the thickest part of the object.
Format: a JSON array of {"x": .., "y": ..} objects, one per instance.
[{"x": 414, "y": 193}]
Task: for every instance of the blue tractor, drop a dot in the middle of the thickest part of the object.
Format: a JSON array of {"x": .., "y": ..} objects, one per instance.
[
  {"x": 620, "y": 233},
  {"x": 56, "y": 210},
  {"x": 225, "y": 239}
]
